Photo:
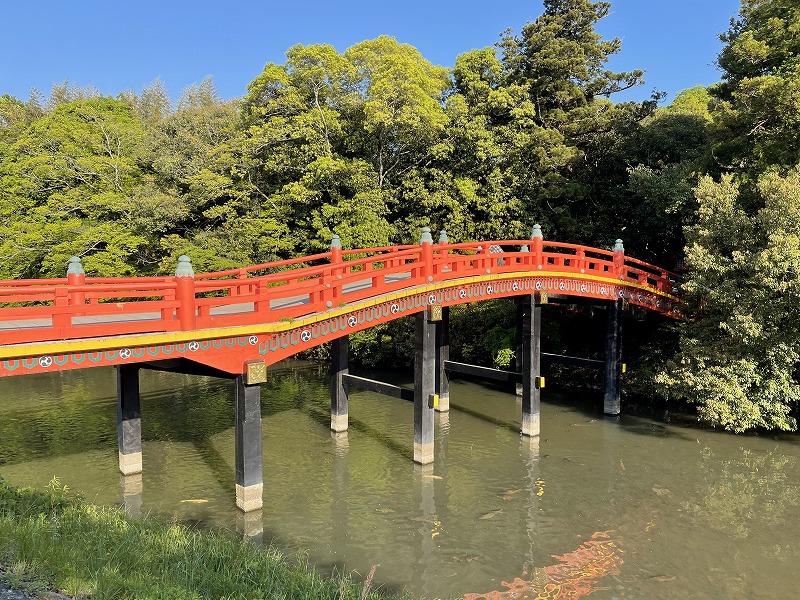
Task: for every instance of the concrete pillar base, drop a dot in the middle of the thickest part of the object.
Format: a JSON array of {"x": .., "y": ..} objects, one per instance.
[
  {"x": 250, "y": 498},
  {"x": 530, "y": 424},
  {"x": 129, "y": 464},
  {"x": 423, "y": 453},
  {"x": 339, "y": 423},
  {"x": 444, "y": 404}
]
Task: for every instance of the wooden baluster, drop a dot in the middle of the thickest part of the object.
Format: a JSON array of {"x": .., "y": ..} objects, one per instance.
[
  {"x": 262, "y": 291},
  {"x": 60, "y": 302},
  {"x": 336, "y": 271},
  {"x": 184, "y": 280},
  {"x": 537, "y": 244},
  {"x": 442, "y": 255},
  {"x": 426, "y": 256},
  {"x": 76, "y": 276},
  {"x": 619, "y": 260},
  {"x": 581, "y": 256},
  {"x": 237, "y": 289},
  {"x": 486, "y": 261}
]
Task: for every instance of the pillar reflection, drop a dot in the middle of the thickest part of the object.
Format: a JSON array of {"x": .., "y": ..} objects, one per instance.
[
  {"x": 130, "y": 487},
  {"x": 430, "y": 527}
]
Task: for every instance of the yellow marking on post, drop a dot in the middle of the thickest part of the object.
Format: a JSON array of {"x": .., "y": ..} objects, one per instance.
[
  {"x": 624, "y": 367},
  {"x": 433, "y": 401},
  {"x": 539, "y": 382}
]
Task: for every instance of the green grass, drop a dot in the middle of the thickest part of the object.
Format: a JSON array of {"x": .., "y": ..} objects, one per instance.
[{"x": 51, "y": 541}]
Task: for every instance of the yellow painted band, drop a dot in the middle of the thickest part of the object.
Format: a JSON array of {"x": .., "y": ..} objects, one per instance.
[{"x": 153, "y": 339}]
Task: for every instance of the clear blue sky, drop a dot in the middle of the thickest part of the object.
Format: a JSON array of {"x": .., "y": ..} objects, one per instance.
[{"x": 116, "y": 45}]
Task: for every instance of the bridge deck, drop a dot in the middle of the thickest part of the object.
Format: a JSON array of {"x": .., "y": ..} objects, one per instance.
[{"x": 285, "y": 307}]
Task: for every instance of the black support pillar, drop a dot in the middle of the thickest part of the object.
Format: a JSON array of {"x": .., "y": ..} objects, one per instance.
[
  {"x": 531, "y": 365},
  {"x": 129, "y": 422},
  {"x": 249, "y": 474},
  {"x": 519, "y": 305},
  {"x": 424, "y": 388},
  {"x": 611, "y": 403},
  {"x": 340, "y": 350},
  {"x": 443, "y": 355}
]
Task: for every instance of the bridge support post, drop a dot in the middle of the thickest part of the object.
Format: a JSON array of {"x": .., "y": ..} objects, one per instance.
[
  {"x": 129, "y": 422},
  {"x": 531, "y": 365},
  {"x": 424, "y": 388},
  {"x": 611, "y": 401},
  {"x": 519, "y": 305},
  {"x": 249, "y": 474},
  {"x": 340, "y": 351},
  {"x": 442, "y": 355}
]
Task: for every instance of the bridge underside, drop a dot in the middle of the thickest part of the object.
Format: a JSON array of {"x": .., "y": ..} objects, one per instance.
[{"x": 431, "y": 392}]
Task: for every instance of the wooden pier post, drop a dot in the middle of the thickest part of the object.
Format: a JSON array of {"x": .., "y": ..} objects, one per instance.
[
  {"x": 129, "y": 422},
  {"x": 249, "y": 474},
  {"x": 519, "y": 306},
  {"x": 442, "y": 355},
  {"x": 532, "y": 380},
  {"x": 424, "y": 388},
  {"x": 611, "y": 398},
  {"x": 340, "y": 350}
]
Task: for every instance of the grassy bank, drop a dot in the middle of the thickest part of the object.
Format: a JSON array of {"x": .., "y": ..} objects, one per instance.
[{"x": 50, "y": 540}]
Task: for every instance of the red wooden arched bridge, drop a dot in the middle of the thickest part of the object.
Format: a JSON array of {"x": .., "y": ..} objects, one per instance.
[
  {"x": 270, "y": 311},
  {"x": 235, "y": 323}
]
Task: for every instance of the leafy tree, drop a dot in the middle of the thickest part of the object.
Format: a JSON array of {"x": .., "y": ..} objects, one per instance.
[
  {"x": 152, "y": 105},
  {"x": 199, "y": 199},
  {"x": 331, "y": 137},
  {"x": 536, "y": 134},
  {"x": 739, "y": 353},
  {"x": 740, "y": 349},
  {"x": 66, "y": 186},
  {"x": 757, "y": 110}
]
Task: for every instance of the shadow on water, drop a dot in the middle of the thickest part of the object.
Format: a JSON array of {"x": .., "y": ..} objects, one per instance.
[
  {"x": 515, "y": 427},
  {"x": 323, "y": 418}
]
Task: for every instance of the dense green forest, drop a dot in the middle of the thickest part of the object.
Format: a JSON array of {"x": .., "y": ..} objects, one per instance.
[{"x": 375, "y": 142}]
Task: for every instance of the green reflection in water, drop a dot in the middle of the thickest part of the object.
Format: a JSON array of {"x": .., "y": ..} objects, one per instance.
[{"x": 689, "y": 512}]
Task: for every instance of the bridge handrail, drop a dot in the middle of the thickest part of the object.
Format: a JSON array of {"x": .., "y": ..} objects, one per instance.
[
  {"x": 222, "y": 298},
  {"x": 276, "y": 264}
]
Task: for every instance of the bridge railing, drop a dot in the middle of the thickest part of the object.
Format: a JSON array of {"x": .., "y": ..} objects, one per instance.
[{"x": 81, "y": 307}]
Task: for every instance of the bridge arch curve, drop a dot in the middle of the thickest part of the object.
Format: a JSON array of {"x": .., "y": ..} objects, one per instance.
[{"x": 271, "y": 311}]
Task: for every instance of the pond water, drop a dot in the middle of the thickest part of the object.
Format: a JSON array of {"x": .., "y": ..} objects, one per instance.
[{"x": 607, "y": 508}]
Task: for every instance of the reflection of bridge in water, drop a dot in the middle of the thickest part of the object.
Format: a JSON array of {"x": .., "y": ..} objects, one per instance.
[{"x": 236, "y": 323}]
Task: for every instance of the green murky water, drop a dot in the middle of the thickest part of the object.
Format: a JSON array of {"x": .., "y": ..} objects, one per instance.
[{"x": 600, "y": 508}]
